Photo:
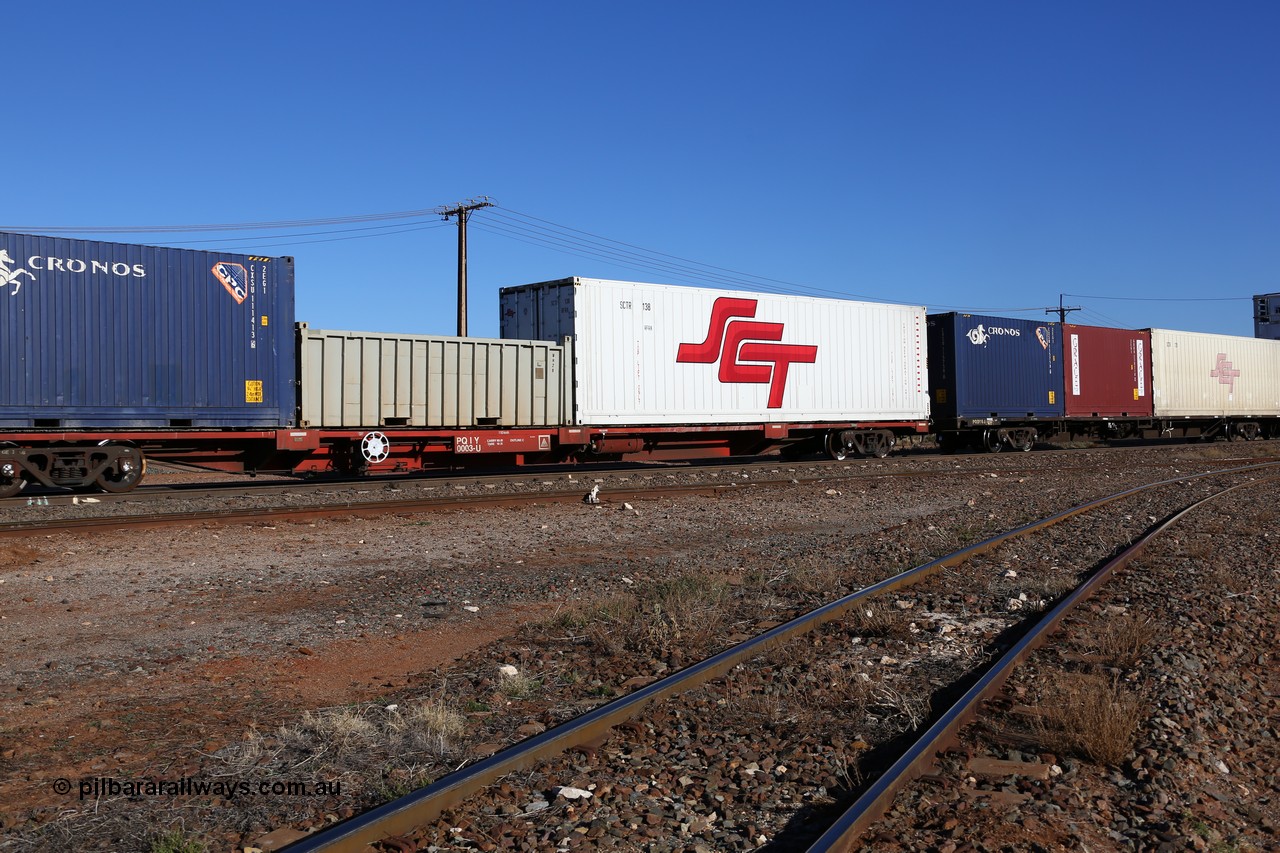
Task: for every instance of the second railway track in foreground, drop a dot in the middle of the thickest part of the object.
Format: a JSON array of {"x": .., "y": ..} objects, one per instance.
[{"x": 667, "y": 715}]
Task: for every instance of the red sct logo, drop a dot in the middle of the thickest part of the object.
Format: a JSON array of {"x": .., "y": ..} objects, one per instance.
[
  {"x": 1225, "y": 372},
  {"x": 744, "y": 350}
]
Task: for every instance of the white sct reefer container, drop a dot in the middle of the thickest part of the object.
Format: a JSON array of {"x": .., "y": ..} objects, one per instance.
[
  {"x": 662, "y": 354},
  {"x": 1194, "y": 374}
]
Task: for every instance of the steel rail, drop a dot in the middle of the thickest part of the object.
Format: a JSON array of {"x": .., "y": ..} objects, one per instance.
[
  {"x": 919, "y": 757},
  {"x": 364, "y": 508},
  {"x": 156, "y": 491},
  {"x": 416, "y": 808},
  {"x": 353, "y": 506}
]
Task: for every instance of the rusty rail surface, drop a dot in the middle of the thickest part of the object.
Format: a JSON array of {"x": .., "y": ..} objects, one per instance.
[{"x": 425, "y": 804}]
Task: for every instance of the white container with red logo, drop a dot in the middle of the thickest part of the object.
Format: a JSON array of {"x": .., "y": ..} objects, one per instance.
[{"x": 662, "y": 354}]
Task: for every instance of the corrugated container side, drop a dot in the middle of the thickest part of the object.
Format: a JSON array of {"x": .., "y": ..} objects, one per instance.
[
  {"x": 993, "y": 367},
  {"x": 116, "y": 335},
  {"x": 1202, "y": 375},
  {"x": 1107, "y": 372},
  {"x": 370, "y": 380},
  {"x": 661, "y": 354},
  {"x": 541, "y": 311}
]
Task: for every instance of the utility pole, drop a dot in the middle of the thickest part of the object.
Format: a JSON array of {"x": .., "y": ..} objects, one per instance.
[
  {"x": 463, "y": 210},
  {"x": 1061, "y": 310}
]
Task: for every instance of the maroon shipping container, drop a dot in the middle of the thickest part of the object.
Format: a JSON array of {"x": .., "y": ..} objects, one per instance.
[{"x": 1106, "y": 372}]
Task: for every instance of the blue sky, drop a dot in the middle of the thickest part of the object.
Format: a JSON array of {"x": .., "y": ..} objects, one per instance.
[{"x": 974, "y": 156}]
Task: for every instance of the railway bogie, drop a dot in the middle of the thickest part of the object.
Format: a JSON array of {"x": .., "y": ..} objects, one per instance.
[
  {"x": 109, "y": 466},
  {"x": 842, "y": 443}
]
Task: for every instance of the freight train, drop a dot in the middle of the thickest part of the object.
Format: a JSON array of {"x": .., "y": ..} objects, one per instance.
[{"x": 114, "y": 354}]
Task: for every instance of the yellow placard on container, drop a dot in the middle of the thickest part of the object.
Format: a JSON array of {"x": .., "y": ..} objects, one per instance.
[
  {"x": 264, "y": 319},
  {"x": 253, "y": 390},
  {"x": 1052, "y": 394}
]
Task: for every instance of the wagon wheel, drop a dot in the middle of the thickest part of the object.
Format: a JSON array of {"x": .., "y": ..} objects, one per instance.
[
  {"x": 879, "y": 445},
  {"x": 375, "y": 447},
  {"x": 835, "y": 447},
  {"x": 991, "y": 441},
  {"x": 125, "y": 473},
  {"x": 11, "y": 484}
]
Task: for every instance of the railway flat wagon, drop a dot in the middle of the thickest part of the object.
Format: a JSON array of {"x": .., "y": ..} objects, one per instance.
[
  {"x": 994, "y": 380},
  {"x": 1106, "y": 380},
  {"x": 105, "y": 342},
  {"x": 1215, "y": 384},
  {"x": 658, "y": 367}
]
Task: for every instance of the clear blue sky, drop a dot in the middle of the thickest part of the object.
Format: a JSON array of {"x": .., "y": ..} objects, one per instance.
[{"x": 979, "y": 156}]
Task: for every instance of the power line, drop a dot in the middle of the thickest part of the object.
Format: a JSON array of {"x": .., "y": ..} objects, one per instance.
[
  {"x": 232, "y": 244},
  {"x": 240, "y": 226},
  {"x": 699, "y": 269},
  {"x": 385, "y": 230},
  {"x": 1164, "y": 298},
  {"x": 1101, "y": 319},
  {"x": 536, "y": 231},
  {"x": 604, "y": 253},
  {"x": 621, "y": 254}
]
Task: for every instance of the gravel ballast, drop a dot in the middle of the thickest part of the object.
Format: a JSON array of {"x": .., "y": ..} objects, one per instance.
[{"x": 158, "y": 654}]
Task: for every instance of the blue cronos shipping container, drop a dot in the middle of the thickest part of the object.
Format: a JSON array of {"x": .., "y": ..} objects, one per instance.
[
  {"x": 993, "y": 368},
  {"x": 117, "y": 335}
]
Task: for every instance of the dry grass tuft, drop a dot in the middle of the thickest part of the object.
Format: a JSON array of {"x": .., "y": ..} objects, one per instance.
[
  {"x": 382, "y": 750},
  {"x": 1198, "y": 547},
  {"x": 1124, "y": 641},
  {"x": 340, "y": 730},
  {"x": 805, "y": 694},
  {"x": 846, "y": 687},
  {"x": 176, "y": 841},
  {"x": 816, "y": 579},
  {"x": 429, "y": 727},
  {"x": 1091, "y": 716},
  {"x": 770, "y": 709},
  {"x": 520, "y": 686},
  {"x": 847, "y": 769},
  {"x": 688, "y": 614},
  {"x": 890, "y": 704},
  {"x": 875, "y": 619}
]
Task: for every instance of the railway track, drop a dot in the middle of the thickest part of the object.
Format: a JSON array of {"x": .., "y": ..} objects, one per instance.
[
  {"x": 651, "y": 716},
  {"x": 356, "y": 508},
  {"x": 919, "y": 757},
  {"x": 281, "y": 500}
]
